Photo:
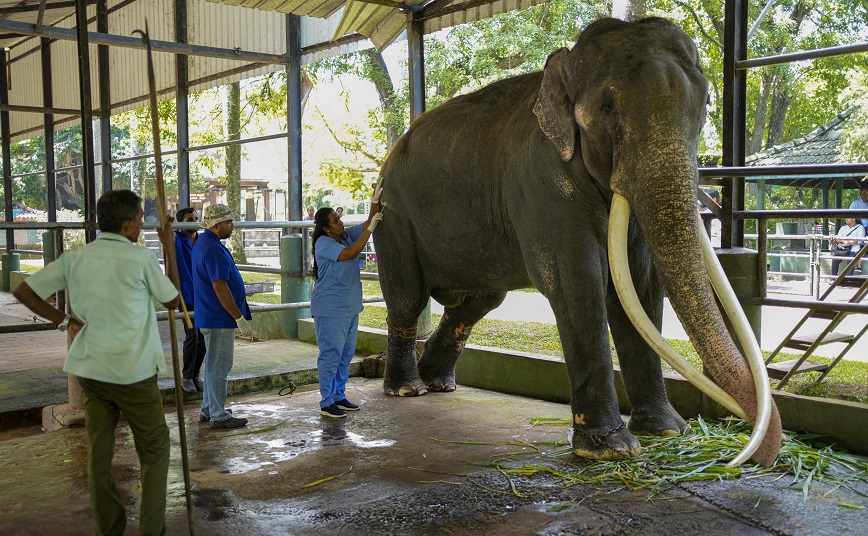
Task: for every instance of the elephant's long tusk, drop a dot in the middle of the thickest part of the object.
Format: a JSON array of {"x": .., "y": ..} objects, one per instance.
[
  {"x": 619, "y": 218},
  {"x": 749, "y": 344}
]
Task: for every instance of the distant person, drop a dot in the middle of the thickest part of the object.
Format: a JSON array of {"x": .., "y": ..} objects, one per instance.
[
  {"x": 714, "y": 224},
  {"x": 310, "y": 213},
  {"x": 194, "y": 341},
  {"x": 340, "y": 212},
  {"x": 221, "y": 306},
  {"x": 846, "y": 244},
  {"x": 862, "y": 204},
  {"x": 115, "y": 352},
  {"x": 336, "y": 301}
]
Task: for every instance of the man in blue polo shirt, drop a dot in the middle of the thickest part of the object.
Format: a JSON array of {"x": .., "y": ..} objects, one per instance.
[
  {"x": 116, "y": 351},
  {"x": 221, "y": 306},
  {"x": 194, "y": 341}
]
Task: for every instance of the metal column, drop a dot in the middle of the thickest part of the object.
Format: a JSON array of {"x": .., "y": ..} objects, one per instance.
[
  {"x": 734, "y": 102},
  {"x": 416, "y": 65},
  {"x": 48, "y": 129},
  {"x": 293, "y": 116},
  {"x": 182, "y": 106},
  {"x": 86, "y": 120},
  {"x": 416, "y": 52},
  {"x": 105, "y": 101},
  {"x": 11, "y": 261}
]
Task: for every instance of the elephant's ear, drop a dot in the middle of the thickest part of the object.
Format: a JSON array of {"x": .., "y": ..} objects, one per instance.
[{"x": 553, "y": 107}]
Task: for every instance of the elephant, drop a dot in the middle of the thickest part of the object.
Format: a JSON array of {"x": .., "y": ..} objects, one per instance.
[{"x": 512, "y": 186}]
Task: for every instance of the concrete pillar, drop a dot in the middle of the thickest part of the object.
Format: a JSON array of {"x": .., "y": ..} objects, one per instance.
[
  {"x": 740, "y": 266},
  {"x": 11, "y": 263},
  {"x": 294, "y": 286}
]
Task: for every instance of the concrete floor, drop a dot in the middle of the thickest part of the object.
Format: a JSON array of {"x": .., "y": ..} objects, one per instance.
[{"x": 396, "y": 478}]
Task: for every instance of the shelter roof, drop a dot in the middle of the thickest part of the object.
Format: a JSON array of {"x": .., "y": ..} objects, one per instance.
[
  {"x": 819, "y": 147},
  {"x": 28, "y": 11},
  {"x": 382, "y": 21}
]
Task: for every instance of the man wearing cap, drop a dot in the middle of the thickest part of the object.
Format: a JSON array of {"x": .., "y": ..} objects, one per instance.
[{"x": 221, "y": 306}]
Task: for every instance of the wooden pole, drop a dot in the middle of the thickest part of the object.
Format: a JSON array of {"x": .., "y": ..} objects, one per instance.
[{"x": 169, "y": 259}]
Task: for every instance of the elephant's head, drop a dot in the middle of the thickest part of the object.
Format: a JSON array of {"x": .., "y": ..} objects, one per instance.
[{"x": 630, "y": 97}]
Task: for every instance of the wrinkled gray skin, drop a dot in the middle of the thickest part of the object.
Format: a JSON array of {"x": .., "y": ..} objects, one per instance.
[{"x": 510, "y": 186}]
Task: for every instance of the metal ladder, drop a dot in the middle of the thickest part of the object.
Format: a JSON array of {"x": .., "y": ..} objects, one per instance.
[{"x": 785, "y": 370}]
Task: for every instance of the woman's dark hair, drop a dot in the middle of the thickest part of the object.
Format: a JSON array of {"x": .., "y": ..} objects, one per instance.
[
  {"x": 114, "y": 208},
  {"x": 181, "y": 214},
  {"x": 321, "y": 219}
]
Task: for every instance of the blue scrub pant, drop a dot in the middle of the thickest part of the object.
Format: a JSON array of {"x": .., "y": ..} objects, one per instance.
[
  {"x": 219, "y": 355},
  {"x": 336, "y": 338}
]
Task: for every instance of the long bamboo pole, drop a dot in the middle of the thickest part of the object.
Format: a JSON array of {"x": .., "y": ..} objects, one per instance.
[{"x": 169, "y": 259}]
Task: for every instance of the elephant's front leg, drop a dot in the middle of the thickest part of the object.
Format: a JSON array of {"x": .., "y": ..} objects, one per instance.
[
  {"x": 651, "y": 413},
  {"x": 461, "y": 312},
  {"x": 599, "y": 432}
]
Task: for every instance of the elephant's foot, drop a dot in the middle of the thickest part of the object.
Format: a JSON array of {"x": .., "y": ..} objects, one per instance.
[
  {"x": 435, "y": 377},
  {"x": 444, "y": 384},
  {"x": 657, "y": 422},
  {"x": 404, "y": 387},
  {"x": 615, "y": 444}
]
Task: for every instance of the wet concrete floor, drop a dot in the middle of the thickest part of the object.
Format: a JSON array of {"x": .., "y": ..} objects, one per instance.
[{"x": 393, "y": 476}]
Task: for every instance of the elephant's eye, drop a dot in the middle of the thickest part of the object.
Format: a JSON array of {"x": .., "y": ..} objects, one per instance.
[{"x": 607, "y": 109}]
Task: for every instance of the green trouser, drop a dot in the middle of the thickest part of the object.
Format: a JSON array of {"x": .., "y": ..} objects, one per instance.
[{"x": 143, "y": 408}]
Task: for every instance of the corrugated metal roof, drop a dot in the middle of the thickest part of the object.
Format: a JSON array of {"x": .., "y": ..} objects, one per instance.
[{"x": 248, "y": 25}]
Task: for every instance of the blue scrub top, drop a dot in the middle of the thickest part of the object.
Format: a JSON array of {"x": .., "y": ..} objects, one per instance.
[
  {"x": 338, "y": 289},
  {"x": 184, "y": 260},
  {"x": 212, "y": 262}
]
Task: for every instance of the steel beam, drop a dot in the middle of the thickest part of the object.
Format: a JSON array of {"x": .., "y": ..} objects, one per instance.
[
  {"x": 84, "y": 92},
  {"x": 416, "y": 53},
  {"x": 105, "y": 101},
  {"x": 48, "y": 128},
  {"x": 22, "y": 28},
  {"x": 182, "y": 106},
  {"x": 6, "y": 150},
  {"x": 734, "y": 99},
  {"x": 293, "y": 116}
]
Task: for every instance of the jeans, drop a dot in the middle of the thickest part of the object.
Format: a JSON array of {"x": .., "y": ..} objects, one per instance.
[
  {"x": 336, "y": 338},
  {"x": 219, "y": 354},
  {"x": 142, "y": 405},
  {"x": 194, "y": 350}
]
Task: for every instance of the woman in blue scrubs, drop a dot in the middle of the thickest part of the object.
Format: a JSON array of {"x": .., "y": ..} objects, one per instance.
[{"x": 336, "y": 301}]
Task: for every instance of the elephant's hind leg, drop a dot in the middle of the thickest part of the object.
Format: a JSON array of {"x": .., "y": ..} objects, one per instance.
[{"x": 461, "y": 312}]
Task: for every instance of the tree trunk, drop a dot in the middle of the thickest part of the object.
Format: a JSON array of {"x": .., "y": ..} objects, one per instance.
[
  {"x": 781, "y": 98},
  {"x": 759, "y": 121},
  {"x": 379, "y": 75},
  {"x": 232, "y": 131}
]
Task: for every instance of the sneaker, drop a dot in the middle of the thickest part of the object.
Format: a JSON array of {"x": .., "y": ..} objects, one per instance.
[
  {"x": 332, "y": 411},
  {"x": 200, "y": 385},
  {"x": 188, "y": 385},
  {"x": 229, "y": 422},
  {"x": 346, "y": 405},
  {"x": 206, "y": 418}
]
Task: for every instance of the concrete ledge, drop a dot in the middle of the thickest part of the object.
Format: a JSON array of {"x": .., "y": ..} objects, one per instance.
[{"x": 546, "y": 378}]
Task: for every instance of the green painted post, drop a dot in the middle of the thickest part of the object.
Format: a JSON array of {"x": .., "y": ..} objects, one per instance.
[
  {"x": 48, "y": 247},
  {"x": 11, "y": 263},
  {"x": 294, "y": 285}
]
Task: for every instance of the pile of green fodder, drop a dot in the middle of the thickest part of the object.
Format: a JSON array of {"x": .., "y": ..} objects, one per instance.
[{"x": 699, "y": 454}]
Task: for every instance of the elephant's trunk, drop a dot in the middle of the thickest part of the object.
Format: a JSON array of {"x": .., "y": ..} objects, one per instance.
[{"x": 666, "y": 210}]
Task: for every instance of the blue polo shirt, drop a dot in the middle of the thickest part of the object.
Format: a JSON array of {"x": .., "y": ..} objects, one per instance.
[
  {"x": 337, "y": 291},
  {"x": 212, "y": 262},
  {"x": 184, "y": 260}
]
